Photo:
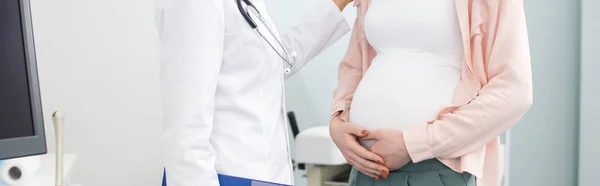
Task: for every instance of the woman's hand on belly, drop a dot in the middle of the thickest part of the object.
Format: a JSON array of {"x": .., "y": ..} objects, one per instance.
[
  {"x": 344, "y": 135},
  {"x": 389, "y": 144}
]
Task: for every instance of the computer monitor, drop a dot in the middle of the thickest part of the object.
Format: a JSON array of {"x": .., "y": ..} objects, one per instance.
[{"x": 21, "y": 121}]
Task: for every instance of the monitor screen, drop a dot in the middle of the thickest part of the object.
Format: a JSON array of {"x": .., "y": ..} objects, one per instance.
[
  {"x": 21, "y": 118},
  {"x": 15, "y": 102}
]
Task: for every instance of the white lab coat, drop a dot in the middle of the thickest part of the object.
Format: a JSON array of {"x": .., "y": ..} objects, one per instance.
[{"x": 223, "y": 89}]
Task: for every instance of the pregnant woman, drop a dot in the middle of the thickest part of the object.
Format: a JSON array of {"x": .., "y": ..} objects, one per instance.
[{"x": 427, "y": 86}]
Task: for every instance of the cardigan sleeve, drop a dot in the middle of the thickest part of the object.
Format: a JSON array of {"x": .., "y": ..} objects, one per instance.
[
  {"x": 351, "y": 69},
  {"x": 499, "y": 104}
]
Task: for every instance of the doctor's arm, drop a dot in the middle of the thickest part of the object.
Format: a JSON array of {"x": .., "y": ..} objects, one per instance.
[
  {"x": 191, "y": 33},
  {"x": 319, "y": 29}
]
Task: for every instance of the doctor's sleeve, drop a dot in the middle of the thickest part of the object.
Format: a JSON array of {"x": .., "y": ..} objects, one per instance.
[
  {"x": 319, "y": 29},
  {"x": 191, "y": 40}
]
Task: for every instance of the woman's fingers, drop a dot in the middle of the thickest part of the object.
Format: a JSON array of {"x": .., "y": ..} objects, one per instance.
[
  {"x": 352, "y": 160},
  {"x": 364, "y": 153},
  {"x": 355, "y": 130},
  {"x": 372, "y": 166},
  {"x": 364, "y": 158},
  {"x": 372, "y": 135},
  {"x": 370, "y": 175},
  {"x": 345, "y": 135},
  {"x": 359, "y": 167},
  {"x": 381, "y": 170},
  {"x": 367, "y": 167}
]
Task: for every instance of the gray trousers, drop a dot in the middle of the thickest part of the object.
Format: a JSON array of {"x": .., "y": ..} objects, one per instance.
[{"x": 426, "y": 173}]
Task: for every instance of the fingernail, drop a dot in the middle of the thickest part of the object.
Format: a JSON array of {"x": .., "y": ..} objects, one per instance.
[
  {"x": 376, "y": 177},
  {"x": 380, "y": 162},
  {"x": 384, "y": 176},
  {"x": 386, "y": 171},
  {"x": 363, "y": 131}
]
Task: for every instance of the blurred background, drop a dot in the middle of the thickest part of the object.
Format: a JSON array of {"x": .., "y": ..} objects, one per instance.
[{"x": 98, "y": 61}]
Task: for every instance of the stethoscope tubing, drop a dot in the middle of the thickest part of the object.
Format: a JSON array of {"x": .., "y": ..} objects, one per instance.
[{"x": 246, "y": 14}]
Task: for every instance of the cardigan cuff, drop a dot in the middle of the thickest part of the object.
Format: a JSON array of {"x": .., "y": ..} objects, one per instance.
[{"x": 417, "y": 144}]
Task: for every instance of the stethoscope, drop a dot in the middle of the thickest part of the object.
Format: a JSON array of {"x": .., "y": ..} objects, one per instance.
[{"x": 289, "y": 59}]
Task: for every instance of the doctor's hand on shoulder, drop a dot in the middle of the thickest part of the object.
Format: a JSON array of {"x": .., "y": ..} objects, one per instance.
[
  {"x": 341, "y": 4},
  {"x": 345, "y": 135}
]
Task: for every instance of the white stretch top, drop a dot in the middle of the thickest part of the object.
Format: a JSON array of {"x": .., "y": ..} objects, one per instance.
[{"x": 417, "y": 67}]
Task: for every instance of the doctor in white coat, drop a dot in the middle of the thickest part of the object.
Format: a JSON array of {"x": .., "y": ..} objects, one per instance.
[{"x": 223, "y": 89}]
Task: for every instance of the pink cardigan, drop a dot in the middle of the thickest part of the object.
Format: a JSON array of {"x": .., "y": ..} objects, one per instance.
[{"x": 494, "y": 92}]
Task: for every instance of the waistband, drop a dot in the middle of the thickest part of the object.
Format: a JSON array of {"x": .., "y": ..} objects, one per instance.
[{"x": 423, "y": 166}]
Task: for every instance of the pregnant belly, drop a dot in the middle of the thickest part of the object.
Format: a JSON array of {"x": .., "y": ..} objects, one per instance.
[{"x": 401, "y": 90}]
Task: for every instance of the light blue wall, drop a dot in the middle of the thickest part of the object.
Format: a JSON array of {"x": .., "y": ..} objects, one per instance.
[
  {"x": 589, "y": 149},
  {"x": 544, "y": 143}
]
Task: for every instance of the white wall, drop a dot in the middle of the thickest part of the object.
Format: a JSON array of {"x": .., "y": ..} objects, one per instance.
[
  {"x": 98, "y": 61},
  {"x": 589, "y": 149}
]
